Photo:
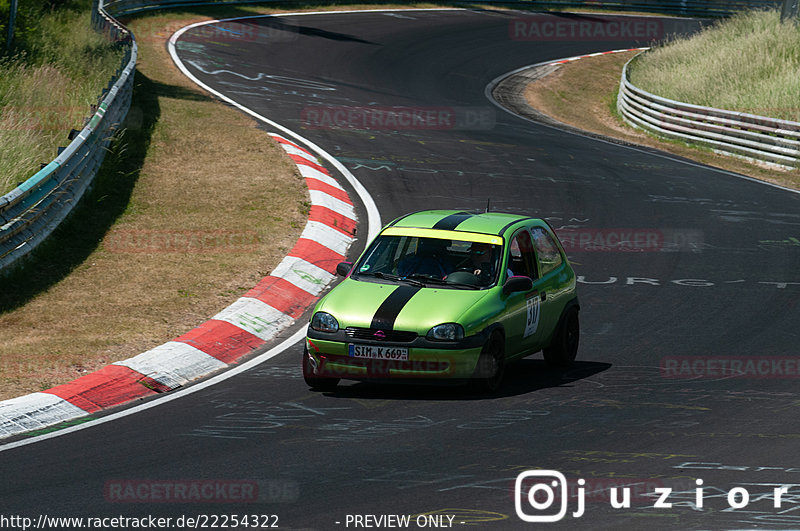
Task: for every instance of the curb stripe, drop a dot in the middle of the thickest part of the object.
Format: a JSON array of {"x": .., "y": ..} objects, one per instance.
[
  {"x": 286, "y": 142},
  {"x": 329, "y": 202},
  {"x": 238, "y": 330},
  {"x": 317, "y": 254},
  {"x": 256, "y": 317},
  {"x": 173, "y": 364},
  {"x": 35, "y": 411},
  {"x": 222, "y": 340},
  {"x": 334, "y": 240},
  {"x": 298, "y": 154},
  {"x": 332, "y": 219},
  {"x": 303, "y": 274},
  {"x": 303, "y": 161},
  {"x": 109, "y": 386},
  {"x": 596, "y": 54},
  {"x": 319, "y": 186},
  {"x": 39, "y": 410},
  {"x": 282, "y": 295},
  {"x": 310, "y": 173}
]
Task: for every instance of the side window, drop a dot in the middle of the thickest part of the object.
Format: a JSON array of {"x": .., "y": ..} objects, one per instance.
[
  {"x": 546, "y": 248},
  {"x": 521, "y": 260}
]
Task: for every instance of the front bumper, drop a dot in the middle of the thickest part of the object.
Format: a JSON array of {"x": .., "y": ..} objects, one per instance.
[{"x": 330, "y": 358}]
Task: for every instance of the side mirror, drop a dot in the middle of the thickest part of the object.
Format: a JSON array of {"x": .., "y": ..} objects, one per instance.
[
  {"x": 343, "y": 268},
  {"x": 517, "y": 283}
]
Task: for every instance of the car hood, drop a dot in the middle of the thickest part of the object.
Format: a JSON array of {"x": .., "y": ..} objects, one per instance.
[{"x": 397, "y": 306}]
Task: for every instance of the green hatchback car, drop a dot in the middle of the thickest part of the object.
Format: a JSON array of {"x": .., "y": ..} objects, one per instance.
[{"x": 445, "y": 294}]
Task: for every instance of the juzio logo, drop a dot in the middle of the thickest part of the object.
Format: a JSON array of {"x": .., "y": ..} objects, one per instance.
[
  {"x": 536, "y": 493},
  {"x": 540, "y": 496}
]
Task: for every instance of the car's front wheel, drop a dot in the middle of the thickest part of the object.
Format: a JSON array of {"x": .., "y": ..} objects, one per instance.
[
  {"x": 316, "y": 383},
  {"x": 564, "y": 347},
  {"x": 491, "y": 366}
]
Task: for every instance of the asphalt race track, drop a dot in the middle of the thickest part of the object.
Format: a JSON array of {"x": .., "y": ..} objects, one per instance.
[{"x": 715, "y": 281}]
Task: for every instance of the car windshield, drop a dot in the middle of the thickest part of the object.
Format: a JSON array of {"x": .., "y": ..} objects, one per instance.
[{"x": 450, "y": 263}]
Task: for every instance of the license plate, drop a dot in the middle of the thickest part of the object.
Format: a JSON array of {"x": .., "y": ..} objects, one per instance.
[{"x": 378, "y": 352}]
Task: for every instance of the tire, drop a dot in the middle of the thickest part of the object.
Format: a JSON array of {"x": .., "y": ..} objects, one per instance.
[
  {"x": 491, "y": 366},
  {"x": 316, "y": 383},
  {"x": 564, "y": 347}
]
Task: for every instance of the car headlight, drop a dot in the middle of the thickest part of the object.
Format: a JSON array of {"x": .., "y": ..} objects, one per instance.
[
  {"x": 324, "y": 322},
  {"x": 446, "y": 332}
]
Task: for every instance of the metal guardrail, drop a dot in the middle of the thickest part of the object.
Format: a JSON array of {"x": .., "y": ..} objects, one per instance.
[
  {"x": 30, "y": 212},
  {"x": 740, "y": 134},
  {"x": 124, "y": 8},
  {"x": 697, "y": 8},
  {"x": 692, "y": 8}
]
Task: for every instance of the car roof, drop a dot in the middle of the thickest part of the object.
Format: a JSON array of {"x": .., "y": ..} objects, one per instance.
[{"x": 461, "y": 220}]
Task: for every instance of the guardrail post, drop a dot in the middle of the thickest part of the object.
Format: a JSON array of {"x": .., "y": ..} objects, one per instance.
[
  {"x": 12, "y": 16},
  {"x": 789, "y": 11}
]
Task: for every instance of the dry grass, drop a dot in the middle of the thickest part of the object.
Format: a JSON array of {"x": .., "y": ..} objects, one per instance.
[
  {"x": 748, "y": 63},
  {"x": 208, "y": 173},
  {"x": 583, "y": 94},
  {"x": 205, "y": 169},
  {"x": 47, "y": 90}
]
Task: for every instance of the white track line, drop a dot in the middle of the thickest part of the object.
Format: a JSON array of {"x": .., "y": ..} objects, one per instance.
[
  {"x": 496, "y": 81},
  {"x": 373, "y": 226},
  {"x": 373, "y": 216}
]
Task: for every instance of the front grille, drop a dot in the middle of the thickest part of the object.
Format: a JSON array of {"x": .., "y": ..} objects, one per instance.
[{"x": 393, "y": 336}]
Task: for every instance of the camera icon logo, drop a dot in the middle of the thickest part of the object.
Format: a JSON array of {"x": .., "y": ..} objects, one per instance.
[{"x": 525, "y": 495}]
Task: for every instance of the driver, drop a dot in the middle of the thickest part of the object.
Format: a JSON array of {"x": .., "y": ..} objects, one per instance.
[{"x": 481, "y": 262}]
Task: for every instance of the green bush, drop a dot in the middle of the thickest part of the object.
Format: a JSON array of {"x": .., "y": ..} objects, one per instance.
[{"x": 28, "y": 15}]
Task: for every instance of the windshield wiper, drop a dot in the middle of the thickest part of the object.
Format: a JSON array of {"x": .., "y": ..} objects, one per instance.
[
  {"x": 434, "y": 280},
  {"x": 389, "y": 276}
]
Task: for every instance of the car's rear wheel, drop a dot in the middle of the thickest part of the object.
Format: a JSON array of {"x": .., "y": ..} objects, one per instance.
[
  {"x": 564, "y": 347},
  {"x": 316, "y": 383},
  {"x": 491, "y": 366}
]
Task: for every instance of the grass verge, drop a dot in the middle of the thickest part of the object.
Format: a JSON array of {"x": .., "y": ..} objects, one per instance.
[
  {"x": 748, "y": 63},
  {"x": 583, "y": 94},
  {"x": 192, "y": 207},
  {"x": 47, "y": 84}
]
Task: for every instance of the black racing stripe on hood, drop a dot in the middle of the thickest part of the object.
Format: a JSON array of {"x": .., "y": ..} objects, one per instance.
[
  {"x": 387, "y": 312},
  {"x": 452, "y": 221}
]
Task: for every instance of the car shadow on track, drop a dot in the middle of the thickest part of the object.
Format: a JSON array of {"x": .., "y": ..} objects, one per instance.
[{"x": 522, "y": 377}]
